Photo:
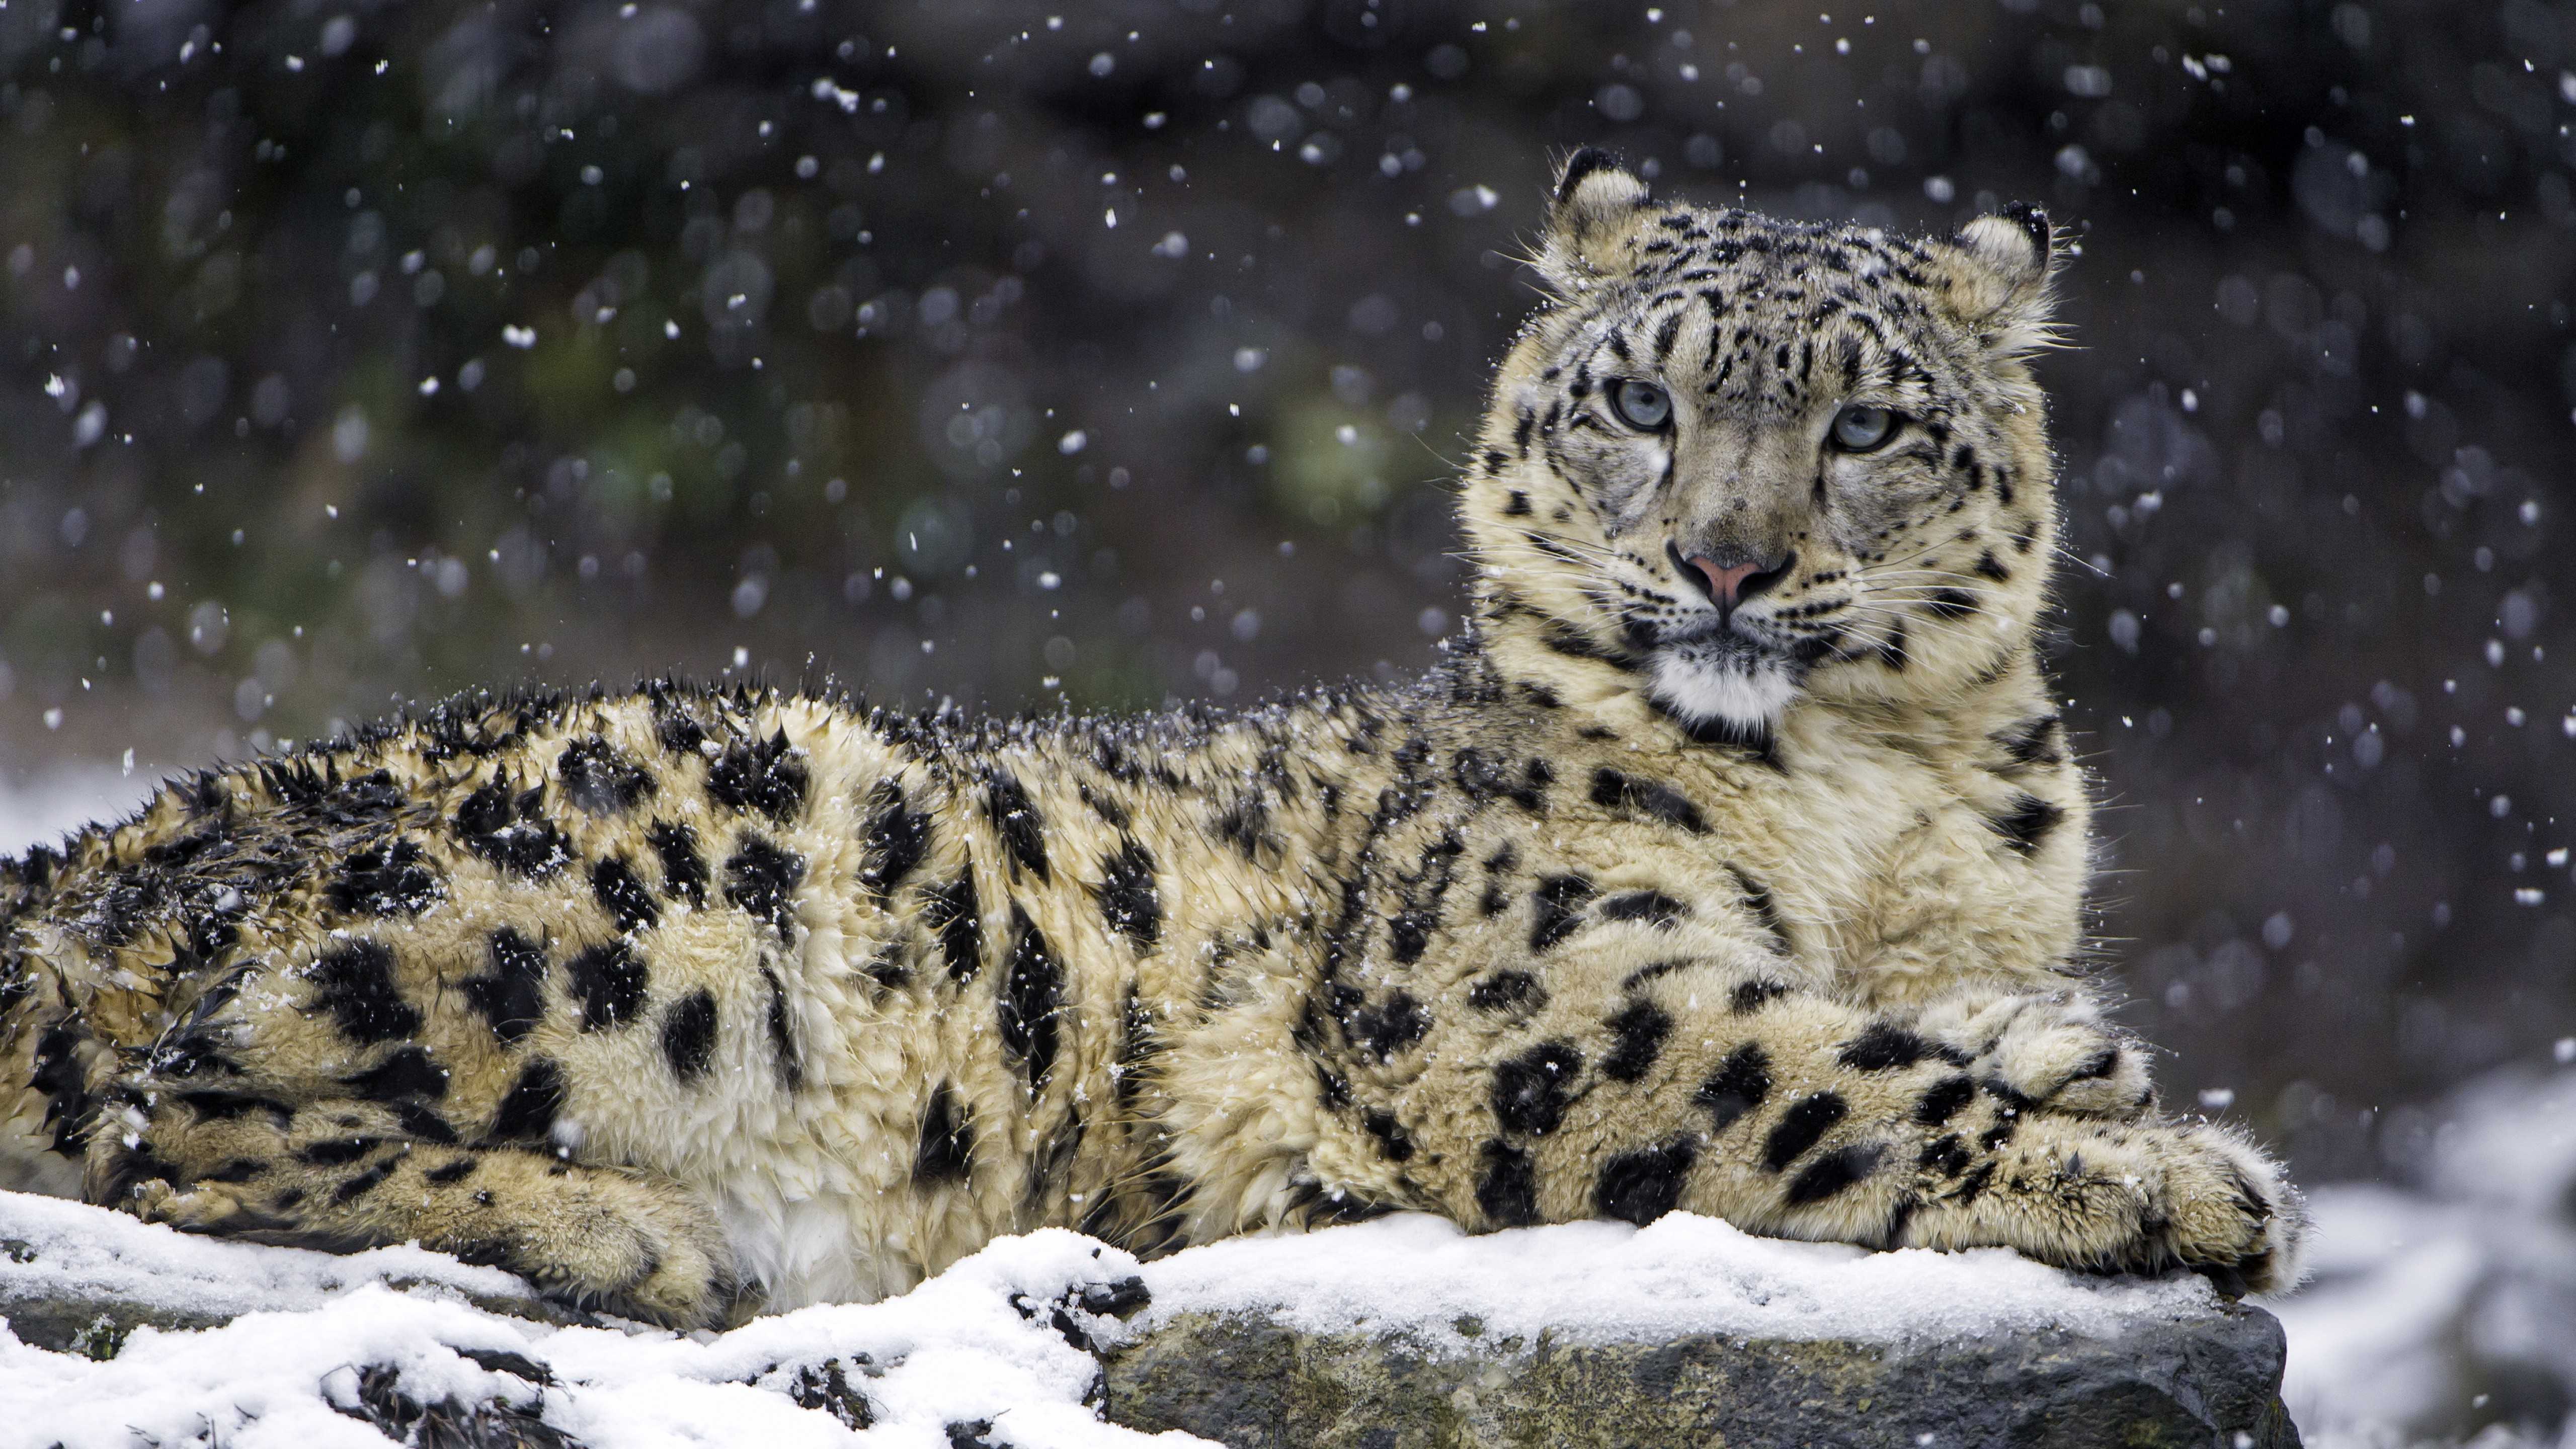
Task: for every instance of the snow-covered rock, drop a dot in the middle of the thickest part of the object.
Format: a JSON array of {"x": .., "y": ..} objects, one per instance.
[
  {"x": 199, "y": 1342},
  {"x": 121, "y": 1333},
  {"x": 1407, "y": 1331}
]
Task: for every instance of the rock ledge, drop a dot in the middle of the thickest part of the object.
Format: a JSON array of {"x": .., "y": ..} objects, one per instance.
[
  {"x": 1404, "y": 1333},
  {"x": 1253, "y": 1383}
]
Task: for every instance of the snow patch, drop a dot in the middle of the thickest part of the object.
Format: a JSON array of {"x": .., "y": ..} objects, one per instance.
[
  {"x": 66, "y": 1249},
  {"x": 1597, "y": 1282},
  {"x": 979, "y": 1342}
]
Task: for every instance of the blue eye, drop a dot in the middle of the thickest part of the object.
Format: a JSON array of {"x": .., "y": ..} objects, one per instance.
[
  {"x": 1641, "y": 405},
  {"x": 1860, "y": 428}
]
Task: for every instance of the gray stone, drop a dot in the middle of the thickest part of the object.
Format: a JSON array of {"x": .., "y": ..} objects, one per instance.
[
  {"x": 93, "y": 1325},
  {"x": 2211, "y": 1379}
]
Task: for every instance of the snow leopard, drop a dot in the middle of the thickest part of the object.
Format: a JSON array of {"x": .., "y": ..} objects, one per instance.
[{"x": 1731, "y": 860}]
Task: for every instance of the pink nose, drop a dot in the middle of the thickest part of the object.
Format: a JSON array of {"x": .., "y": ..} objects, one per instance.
[
  {"x": 1735, "y": 584},
  {"x": 1726, "y": 585}
]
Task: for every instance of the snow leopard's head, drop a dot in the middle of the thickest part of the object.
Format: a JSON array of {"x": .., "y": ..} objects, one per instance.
[{"x": 1739, "y": 459}]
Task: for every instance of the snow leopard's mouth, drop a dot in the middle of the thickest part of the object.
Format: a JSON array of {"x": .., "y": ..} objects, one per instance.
[
  {"x": 1738, "y": 640},
  {"x": 1714, "y": 635}
]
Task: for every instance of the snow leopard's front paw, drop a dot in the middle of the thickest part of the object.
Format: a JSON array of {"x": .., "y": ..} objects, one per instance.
[
  {"x": 2049, "y": 1051},
  {"x": 207, "y": 1207},
  {"x": 629, "y": 1244},
  {"x": 2233, "y": 1215},
  {"x": 2142, "y": 1197}
]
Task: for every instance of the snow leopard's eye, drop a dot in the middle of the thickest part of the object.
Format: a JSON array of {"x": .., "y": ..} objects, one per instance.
[
  {"x": 1862, "y": 428},
  {"x": 1641, "y": 405}
]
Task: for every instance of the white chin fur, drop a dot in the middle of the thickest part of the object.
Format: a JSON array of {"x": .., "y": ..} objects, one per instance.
[{"x": 1703, "y": 690}]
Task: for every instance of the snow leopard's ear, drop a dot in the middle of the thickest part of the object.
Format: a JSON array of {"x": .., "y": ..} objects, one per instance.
[
  {"x": 1588, "y": 222},
  {"x": 1995, "y": 278}
]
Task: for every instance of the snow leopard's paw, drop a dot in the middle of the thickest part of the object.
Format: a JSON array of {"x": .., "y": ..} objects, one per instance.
[
  {"x": 205, "y": 1207},
  {"x": 2144, "y": 1197},
  {"x": 624, "y": 1243},
  {"x": 2049, "y": 1051},
  {"x": 2233, "y": 1215}
]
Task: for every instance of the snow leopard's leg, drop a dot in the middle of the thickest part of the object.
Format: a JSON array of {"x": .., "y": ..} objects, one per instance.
[
  {"x": 1603, "y": 1087},
  {"x": 345, "y": 1174}
]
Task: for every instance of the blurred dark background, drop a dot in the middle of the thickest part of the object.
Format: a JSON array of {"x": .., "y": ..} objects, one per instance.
[{"x": 1119, "y": 353}]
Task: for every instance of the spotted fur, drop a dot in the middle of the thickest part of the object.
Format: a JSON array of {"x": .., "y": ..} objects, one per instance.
[{"x": 1643, "y": 899}]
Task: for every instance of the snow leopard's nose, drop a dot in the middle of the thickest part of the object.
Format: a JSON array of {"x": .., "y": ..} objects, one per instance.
[{"x": 1731, "y": 580}]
